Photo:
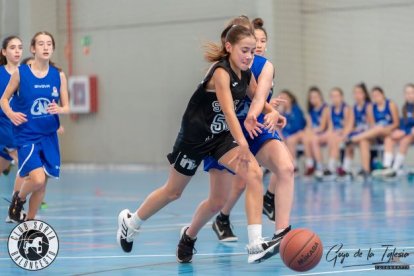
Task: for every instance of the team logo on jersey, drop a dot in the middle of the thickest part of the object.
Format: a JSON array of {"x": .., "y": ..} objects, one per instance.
[
  {"x": 188, "y": 163},
  {"x": 33, "y": 245},
  {"x": 55, "y": 92},
  {"x": 39, "y": 107},
  {"x": 217, "y": 108}
]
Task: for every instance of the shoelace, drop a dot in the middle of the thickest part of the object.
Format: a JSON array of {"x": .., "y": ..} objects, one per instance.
[
  {"x": 256, "y": 246},
  {"x": 131, "y": 232},
  {"x": 189, "y": 244},
  {"x": 18, "y": 207},
  {"x": 227, "y": 223}
]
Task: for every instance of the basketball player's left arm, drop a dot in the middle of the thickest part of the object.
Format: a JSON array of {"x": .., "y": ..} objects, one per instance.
[
  {"x": 395, "y": 116},
  {"x": 260, "y": 93},
  {"x": 370, "y": 116},
  {"x": 63, "y": 108},
  {"x": 349, "y": 121},
  {"x": 325, "y": 120}
]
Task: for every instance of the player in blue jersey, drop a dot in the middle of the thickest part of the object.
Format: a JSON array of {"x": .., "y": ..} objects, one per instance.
[
  {"x": 362, "y": 119},
  {"x": 39, "y": 94},
  {"x": 386, "y": 119},
  {"x": 340, "y": 125},
  {"x": 269, "y": 151},
  {"x": 403, "y": 137},
  {"x": 316, "y": 131},
  {"x": 293, "y": 133},
  {"x": 10, "y": 55},
  {"x": 209, "y": 127}
]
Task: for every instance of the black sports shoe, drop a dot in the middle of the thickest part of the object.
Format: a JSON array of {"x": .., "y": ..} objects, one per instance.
[
  {"x": 223, "y": 230},
  {"x": 327, "y": 172},
  {"x": 126, "y": 233},
  {"x": 16, "y": 207},
  {"x": 185, "y": 248},
  {"x": 364, "y": 175},
  {"x": 278, "y": 238},
  {"x": 269, "y": 208}
]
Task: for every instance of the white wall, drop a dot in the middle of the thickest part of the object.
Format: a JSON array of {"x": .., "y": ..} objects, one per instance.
[
  {"x": 9, "y": 18},
  {"x": 350, "y": 41},
  {"x": 148, "y": 59}
]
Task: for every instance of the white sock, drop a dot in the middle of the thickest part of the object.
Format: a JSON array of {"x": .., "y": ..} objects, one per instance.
[
  {"x": 332, "y": 165},
  {"x": 278, "y": 231},
  {"x": 254, "y": 231},
  {"x": 347, "y": 164},
  {"x": 136, "y": 221},
  {"x": 398, "y": 162},
  {"x": 387, "y": 159},
  {"x": 309, "y": 162}
]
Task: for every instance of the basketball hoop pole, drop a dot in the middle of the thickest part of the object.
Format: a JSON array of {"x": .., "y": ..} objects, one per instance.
[{"x": 69, "y": 45}]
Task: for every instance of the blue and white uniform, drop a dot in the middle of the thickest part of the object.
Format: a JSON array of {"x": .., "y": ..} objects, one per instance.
[
  {"x": 37, "y": 141},
  {"x": 256, "y": 143},
  {"x": 407, "y": 124},
  {"x": 316, "y": 115},
  {"x": 360, "y": 115},
  {"x": 6, "y": 127},
  {"x": 295, "y": 121},
  {"x": 382, "y": 117},
  {"x": 338, "y": 117}
]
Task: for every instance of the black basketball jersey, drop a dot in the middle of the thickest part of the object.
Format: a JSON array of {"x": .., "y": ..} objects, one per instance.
[{"x": 203, "y": 118}]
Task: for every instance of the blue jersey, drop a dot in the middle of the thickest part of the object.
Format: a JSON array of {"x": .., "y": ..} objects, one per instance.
[
  {"x": 4, "y": 81},
  {"x": 6, "y": 126},
  {"x": 316, "y": 116},
  {"x": 382, "y": 117},
  {"x": 295, "y": 121},
  {"x": 360, "y": 114},
  {"x": 254, "y": 144},
  {"x": 408, "y": 122},
  {"x": 256, "y": 68},
  {"x": 32, "y": 98},
  {"x": 338, "y": 117}
]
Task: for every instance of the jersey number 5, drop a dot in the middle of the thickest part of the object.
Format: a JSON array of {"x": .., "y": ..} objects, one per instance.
[{"x": 219, "y": 124}]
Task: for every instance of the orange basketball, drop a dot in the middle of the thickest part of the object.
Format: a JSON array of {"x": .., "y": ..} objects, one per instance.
[{"x": 301, "y": 249}]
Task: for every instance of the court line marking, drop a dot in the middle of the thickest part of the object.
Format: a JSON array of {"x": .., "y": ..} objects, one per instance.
[
  {"x": 337, "y": 271},
  {"x": 140, "y": 256},
  {"x": 198, "y": 254}
]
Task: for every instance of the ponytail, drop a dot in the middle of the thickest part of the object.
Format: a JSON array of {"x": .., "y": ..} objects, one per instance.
[{"x": 232, "y": 34}]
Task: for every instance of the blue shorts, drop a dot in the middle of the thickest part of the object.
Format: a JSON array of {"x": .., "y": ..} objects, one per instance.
[
  {"x": 407, "y": 130},
  {"x": 355, "y": 132},
  {"x": 254, "y": 144},
  {"x": 43, "y": 154},
  {"x": 4, "y": 154}
]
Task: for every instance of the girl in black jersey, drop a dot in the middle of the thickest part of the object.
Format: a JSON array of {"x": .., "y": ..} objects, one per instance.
[{"x": 210, "y": 128}]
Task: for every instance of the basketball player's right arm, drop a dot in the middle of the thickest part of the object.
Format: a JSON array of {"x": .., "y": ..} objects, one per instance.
[
  {"x": 370, "y": 116},
  {"x": 349, "y": 121},
  {"x": 17, "y": 118},
  {"x": 222, "y": 86},
  {"x": 325, "y": 120},
  {"x": 395, "y": 117}
]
